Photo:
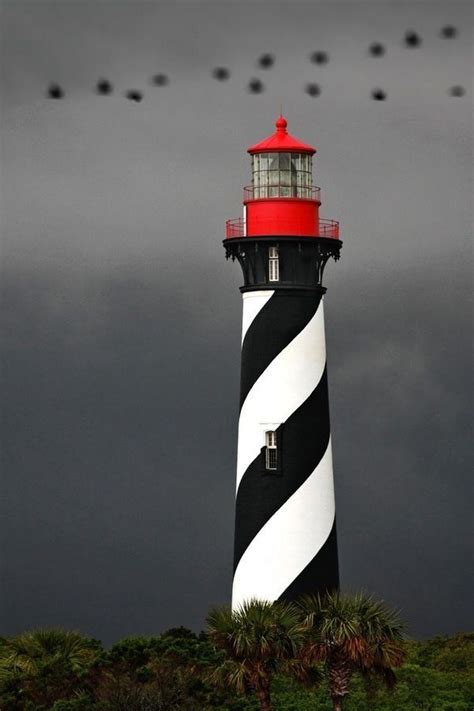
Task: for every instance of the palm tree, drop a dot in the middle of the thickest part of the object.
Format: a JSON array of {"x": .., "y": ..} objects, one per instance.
[
  {"x": 349, "y": 634},
  {"x": 48, "y": 664},
  {"x": 257, "y": 640}
]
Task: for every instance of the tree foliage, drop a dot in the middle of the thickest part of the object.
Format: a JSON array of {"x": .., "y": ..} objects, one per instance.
[
  {"x": 42, "y": 666},
  {"x": 349, "y": 634},
  {"x": 258, "y": 640},
  {"x": 53, "y": 670}
]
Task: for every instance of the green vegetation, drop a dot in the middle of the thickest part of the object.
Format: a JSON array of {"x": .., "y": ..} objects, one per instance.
[
  {"x": 258, "y": 641},
  {"x": 349, "y": 635},
  {"x": 266, "y": 657}
]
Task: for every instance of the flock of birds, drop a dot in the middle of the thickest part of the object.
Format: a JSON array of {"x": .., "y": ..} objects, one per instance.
[{"x": 412, "y": 40}]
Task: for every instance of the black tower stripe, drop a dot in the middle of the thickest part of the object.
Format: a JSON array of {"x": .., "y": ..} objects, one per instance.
[
  {"x": 320, "y": 575},
  {"x": 282, "y": 318},
  {"x": 304, "y": 440}
]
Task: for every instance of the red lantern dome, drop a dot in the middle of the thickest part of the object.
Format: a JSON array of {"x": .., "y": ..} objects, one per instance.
[{"x": 281, "y": 140}]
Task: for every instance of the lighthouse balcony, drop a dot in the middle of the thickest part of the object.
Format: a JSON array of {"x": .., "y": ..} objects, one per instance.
[
  {"x": 279, "y": 191},
  {"x": 325, "y": 228}
]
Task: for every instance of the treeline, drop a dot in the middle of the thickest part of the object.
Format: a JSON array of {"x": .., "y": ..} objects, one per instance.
[{"x": 332, "y": 653}]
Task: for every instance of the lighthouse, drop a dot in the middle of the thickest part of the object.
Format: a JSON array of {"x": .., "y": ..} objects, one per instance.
[{"x": 285, "y": 526}]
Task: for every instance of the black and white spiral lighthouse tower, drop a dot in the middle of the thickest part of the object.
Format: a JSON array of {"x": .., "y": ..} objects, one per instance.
[{"x": 285, "y": 528}]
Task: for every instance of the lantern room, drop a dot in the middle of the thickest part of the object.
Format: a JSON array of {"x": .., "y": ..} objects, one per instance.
[
  {"x": 281, "y": 165},
  {"x": 282, "y": 199},
  {"x": 281, "y": 241},
  {"x": 276, "y": 174}
]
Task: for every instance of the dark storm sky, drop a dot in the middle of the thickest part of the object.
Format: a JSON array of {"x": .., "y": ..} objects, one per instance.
[{"x": 121, "y": 336}]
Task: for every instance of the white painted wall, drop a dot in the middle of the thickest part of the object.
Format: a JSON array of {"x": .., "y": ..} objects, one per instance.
[
  {"x": 290, "y": 539},
  {"x": 298, "y": 530},
  {"x": 287, "y": 382}
]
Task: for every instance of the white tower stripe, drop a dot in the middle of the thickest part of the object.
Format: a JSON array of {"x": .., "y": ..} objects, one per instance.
[
  {"x": 289, "y": 540},
  {"x": 287, "y": 382},
  {"x": 253, "y": 302}
]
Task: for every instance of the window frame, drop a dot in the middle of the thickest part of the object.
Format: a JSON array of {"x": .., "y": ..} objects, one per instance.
[
  {"x": 273, "y": 264},
  {"x": 271, "y": 451}
]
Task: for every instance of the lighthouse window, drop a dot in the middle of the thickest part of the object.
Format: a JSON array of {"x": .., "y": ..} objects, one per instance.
[
  {"x": 273, "y": 264},
  {"x": 271, "y": 451},
  {"x": 281, "y": 175},
  {"x": 263, "y": 161},
  {"x": 288, "y": 176}
]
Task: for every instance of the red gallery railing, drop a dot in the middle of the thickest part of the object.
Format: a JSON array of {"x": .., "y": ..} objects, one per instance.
[{"x": 237, "y": 228}]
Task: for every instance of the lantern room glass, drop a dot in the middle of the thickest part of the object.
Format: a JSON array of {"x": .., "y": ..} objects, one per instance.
[{"x": 281, "y": 175}]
